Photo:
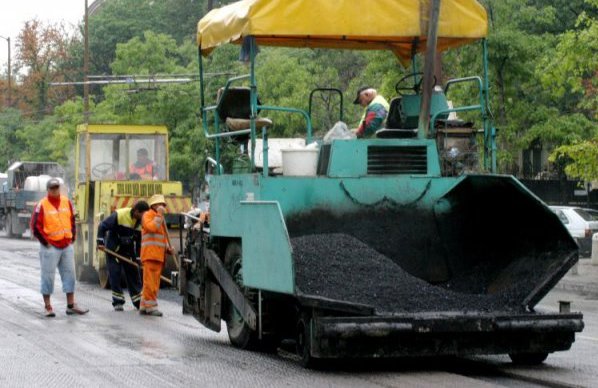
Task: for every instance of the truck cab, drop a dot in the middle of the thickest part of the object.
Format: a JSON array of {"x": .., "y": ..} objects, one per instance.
[{"x": 23, "y": 186}]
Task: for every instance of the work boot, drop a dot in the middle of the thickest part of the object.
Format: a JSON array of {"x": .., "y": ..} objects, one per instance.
[
  {"x": 49, "y": 312},
  {"x": 151, "y": 311},
  {"x": 118, "y": 307},
  {"x": 76, "y": 309}
]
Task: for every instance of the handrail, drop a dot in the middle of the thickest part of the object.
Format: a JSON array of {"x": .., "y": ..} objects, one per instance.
[
  {"x": 464, "y": 79},
  {"x": 214, "y": 163},
  {"x": 468, "y": 79},
  {"x": 292, "y": 110},
  {"x": 340, "y": 93},
  {"x": 450, "y": 110}
]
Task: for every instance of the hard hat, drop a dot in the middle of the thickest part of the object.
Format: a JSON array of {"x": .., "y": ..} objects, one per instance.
[{"x": 156, "y": 199}]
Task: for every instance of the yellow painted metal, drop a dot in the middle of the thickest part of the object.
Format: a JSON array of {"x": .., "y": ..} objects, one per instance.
[
  {"x": 396, "y": 25},
  {"x": 95, "y": 200},
  {"x": 124, "y": 129}
]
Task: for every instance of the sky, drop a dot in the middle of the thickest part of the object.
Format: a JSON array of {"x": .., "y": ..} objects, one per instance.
[{"x": 14, "y": 14}]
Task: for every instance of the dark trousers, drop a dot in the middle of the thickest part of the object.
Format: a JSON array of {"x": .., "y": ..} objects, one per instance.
[{"x": 132, "y": 277}]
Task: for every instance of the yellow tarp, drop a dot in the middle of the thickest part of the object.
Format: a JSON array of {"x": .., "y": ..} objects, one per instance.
[{"x": 350, "y": 24}]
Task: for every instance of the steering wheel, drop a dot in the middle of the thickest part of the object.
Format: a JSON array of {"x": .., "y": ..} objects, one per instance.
[
  {"x": 103, "y": 169},
  {"x": 417, "y": 84}
]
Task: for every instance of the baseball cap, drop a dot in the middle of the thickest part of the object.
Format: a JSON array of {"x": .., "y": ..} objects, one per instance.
[
  {"x": 52, "y": 182},
  {"x": 361, "y": 89}
]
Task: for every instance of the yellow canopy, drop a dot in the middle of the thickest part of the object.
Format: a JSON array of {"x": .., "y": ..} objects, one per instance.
[{"x": 396, "y": 25}]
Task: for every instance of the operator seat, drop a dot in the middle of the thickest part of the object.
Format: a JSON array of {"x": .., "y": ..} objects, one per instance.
[
  {"x": 394, "y": 123},
  {"x": 234, "y": 109}
]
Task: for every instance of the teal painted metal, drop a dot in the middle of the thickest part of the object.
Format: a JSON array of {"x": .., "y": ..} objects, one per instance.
[
  {"x": 412, "y": 102},
  {"x": 349, "y": 158},
  {"x": 267, "y": 261}
]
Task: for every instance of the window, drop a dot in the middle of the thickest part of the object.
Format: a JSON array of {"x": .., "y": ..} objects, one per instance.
[
  {"x": 125, "y": 157},
  {"x": 562, "y": 217},
  {"x": 587, "y": 214}
]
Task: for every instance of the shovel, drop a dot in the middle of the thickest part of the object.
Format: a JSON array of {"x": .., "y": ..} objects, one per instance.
[{"x": 131, "y": 262}]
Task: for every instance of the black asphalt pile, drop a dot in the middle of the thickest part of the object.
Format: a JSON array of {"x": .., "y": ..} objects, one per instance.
[{"x": 341, "y": 267}]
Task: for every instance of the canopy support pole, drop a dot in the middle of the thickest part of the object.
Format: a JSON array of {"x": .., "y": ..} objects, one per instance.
[{"x": 424, "y": 113}]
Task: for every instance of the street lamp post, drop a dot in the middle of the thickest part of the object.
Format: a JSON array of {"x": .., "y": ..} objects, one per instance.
[{"x": 9, "y": 75}]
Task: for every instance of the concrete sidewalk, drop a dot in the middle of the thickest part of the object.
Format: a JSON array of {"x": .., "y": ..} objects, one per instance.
[{"x": 584, "y": 282}]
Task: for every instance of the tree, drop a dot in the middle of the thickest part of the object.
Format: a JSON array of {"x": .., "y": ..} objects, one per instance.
[
  {"x": 11, "y": 121},
  {"x": 118, "y": 21},
  {"x": 41, "y": 49},
  {"x": 580, "y": 159}
]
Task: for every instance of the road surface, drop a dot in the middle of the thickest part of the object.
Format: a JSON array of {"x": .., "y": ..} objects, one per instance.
[{"x": 108, "y": 348}]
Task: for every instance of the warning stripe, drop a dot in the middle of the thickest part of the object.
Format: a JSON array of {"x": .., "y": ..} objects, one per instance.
[{"x": 174, "y": 204}]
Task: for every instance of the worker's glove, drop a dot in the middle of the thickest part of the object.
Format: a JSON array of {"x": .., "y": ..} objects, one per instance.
[{"x": 100, "y": 244}]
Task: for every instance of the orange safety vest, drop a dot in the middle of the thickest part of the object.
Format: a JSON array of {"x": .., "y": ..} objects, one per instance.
[
  {"x": 153, "y": 237},
  {"x": 57, "y": 222},
  {"x": 144, "y": 172}
]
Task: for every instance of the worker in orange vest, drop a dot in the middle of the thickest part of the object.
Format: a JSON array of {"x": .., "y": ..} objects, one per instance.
[
  {"x": 53, "y": 224},
  {"x": 154, "y": 248},
  {"x": 144, "y": 168}
]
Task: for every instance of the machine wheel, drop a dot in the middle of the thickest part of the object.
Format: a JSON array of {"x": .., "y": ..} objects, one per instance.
[
  {"x": 303, "y": 343},
  {"x": 9, "y": 229},
  {"x": 240, "y": 335},
  {"x": 528, "y": 358},
  {"x": 104, "y": 279},
  {"x": 85, "y": 273}
]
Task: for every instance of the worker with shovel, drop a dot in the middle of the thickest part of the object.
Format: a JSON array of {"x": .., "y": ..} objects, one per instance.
[
  {"x": 121, "y": 233},
  {"x": 154, "y": 248}
]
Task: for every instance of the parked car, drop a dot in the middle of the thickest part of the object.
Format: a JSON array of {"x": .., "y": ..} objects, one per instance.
[{"x": 581, "y": 223}]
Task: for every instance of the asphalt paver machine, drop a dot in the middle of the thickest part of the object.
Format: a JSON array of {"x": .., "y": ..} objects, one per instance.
[{"x": 384, "y": 247}]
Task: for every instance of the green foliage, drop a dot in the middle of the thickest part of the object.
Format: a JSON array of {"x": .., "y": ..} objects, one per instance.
[
  {"x": 155, "y": 54},
  {"x": 542, "y": 62},
  {"x": 581, "y": 159},
  {"x": 118, "y": 21},
  {"x": 10, "y": 145}
]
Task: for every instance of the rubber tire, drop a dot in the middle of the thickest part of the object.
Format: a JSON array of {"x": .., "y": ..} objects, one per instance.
[
  {"x": 528, "y": 358},
  {"x": 239, "y": 333},
  {"x": 303, "y": 343},
  {"x": 9, "y": 232},
  {"x": 87, "y": 274}
]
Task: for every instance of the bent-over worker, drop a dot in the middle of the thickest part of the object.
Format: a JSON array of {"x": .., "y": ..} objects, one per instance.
[
  {"x": 154, "y": 248},
  {"x": 374, "y": 114},
  {"x": 121, "y": 233}
]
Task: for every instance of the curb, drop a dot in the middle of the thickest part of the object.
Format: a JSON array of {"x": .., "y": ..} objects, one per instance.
[{"x": 585, "y": 289}]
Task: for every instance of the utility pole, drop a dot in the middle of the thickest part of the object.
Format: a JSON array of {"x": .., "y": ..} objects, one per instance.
[
  {"x": 86, "y": 66},
  {"x": 9, "y": 99}
]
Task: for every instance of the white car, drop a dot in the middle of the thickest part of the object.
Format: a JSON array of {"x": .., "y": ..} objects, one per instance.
[{"x": 581, "y": 223}]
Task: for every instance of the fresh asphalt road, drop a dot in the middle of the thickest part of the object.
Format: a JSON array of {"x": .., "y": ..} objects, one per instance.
[{"x": 108, "y": 348}]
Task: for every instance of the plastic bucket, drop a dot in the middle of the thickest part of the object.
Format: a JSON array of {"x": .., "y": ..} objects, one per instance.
[{"x": 299, "y": 161}]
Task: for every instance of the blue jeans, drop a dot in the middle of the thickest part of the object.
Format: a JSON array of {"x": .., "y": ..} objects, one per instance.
[{"x": 63, "y": 259}]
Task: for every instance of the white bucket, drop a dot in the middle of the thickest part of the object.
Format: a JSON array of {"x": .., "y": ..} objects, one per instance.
[{"x": 300, "y": 161}]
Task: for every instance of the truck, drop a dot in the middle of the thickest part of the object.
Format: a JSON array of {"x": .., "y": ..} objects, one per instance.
[
  {"x": 106, "y": 179},
  {"x": 396, "y": 245},
  {"x": 23, "y": 187}
]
